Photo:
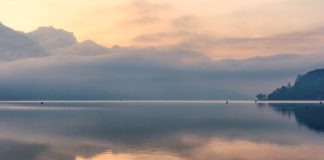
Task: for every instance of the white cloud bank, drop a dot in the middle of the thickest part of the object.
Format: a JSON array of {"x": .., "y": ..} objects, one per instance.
[{"x": 50, "y": 64}]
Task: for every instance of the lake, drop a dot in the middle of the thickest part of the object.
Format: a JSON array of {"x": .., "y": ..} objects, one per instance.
[{"x": 161, "y": 131}]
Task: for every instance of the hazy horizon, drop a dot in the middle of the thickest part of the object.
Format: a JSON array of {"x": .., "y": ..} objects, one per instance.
[
  {"x": 154, "y": 49},
  {"x": 50, "y": 63},
  {"x": 161, "y": 79}
]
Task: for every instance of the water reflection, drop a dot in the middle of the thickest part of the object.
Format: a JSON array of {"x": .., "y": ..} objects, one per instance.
[
  {"x": 309, "y": 115},
  {"x": 155, "y": 131},
  {"x": 226, "y": 150}
]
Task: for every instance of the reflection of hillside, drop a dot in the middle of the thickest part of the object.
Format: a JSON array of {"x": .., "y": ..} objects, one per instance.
[{"x": 309, "y": 115}]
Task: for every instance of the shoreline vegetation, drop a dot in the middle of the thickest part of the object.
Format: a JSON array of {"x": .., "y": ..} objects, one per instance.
[{"x": 309, "y": 86}]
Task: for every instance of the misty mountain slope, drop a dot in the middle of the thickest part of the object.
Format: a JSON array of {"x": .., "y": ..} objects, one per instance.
[
  {"x": 68, "y": 69},
  {"x": 307, "y": 87},
  {"x": 59, "y": 41},
  {"x": 86, "y": 48},
  {"x": 16, "y": 45},
  {"x": 50, "y": 38}
]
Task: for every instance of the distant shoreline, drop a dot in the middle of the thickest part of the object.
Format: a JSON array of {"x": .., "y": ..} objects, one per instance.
[{"x": 171, "y": 101}]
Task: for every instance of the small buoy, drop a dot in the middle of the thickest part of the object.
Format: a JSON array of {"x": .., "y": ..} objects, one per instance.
[
  {"x": 321, "y": 102},
  {"x": 255, "y": 101},
  {"x": 226, "y": 102},
  {"x": 42, "y": 102}
]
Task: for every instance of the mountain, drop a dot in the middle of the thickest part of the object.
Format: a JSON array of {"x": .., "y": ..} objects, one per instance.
[
  {"x": 50, "y": 38},
  {"x": 44, "y": 41},
  {"x": 307, "y": 87},
  {"x": 59, "y": 41},
  {"x": 16, "y": 45},
  {"x": 86, "y": 48}
]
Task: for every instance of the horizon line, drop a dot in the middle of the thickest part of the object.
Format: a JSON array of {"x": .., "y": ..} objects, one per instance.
[{"x": 166, "y": 101}]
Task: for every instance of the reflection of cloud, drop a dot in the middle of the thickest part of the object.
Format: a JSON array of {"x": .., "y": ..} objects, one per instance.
[
  {"x": 11, "y": 150},
  {"x": 225, "y": 150},
  {"x": 197, "y": 148},
  {"x": 161, "y": 131},
  {"x": 248, "y": 150},
  {"x": 132, "y": 156}
]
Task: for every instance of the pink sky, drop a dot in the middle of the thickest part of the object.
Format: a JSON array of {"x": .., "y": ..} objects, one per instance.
[{"x": 257, "y": 25}]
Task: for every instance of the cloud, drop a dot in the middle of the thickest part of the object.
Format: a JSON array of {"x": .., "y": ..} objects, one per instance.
[
  {"x": 86, "y": 70},
  {"x": 147, "y": 7},
  {"x": 118, "y": 22},
  {"x": 44, "y": 41},
  {"x": 150, "y": 75},
  {"x": 306, "y": 42},
  {"x": 145, "y": 12},
  {"x": 16, "y": 45},
  {"x": 59, "y": 41},
  {"x": 163, "y": 38},
  {"x": 50, "y": 38},
  {"x": 146, "y": 20},
  {"x": 186, "y": 23},
  {"x": 86, "y": 48}
]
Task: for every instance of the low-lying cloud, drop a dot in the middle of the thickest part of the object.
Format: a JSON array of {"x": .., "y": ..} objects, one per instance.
[{"x": 87, "y": 70}]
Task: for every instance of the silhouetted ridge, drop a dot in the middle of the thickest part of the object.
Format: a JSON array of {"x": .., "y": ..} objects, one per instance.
[
  {"x": 307, "y": 87},
  {"x": 51, "y": 38},
  {"x": 17, "y": 45}
]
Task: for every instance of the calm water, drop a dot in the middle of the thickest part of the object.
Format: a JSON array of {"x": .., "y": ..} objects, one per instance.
[{"x": 161, "y": 131}]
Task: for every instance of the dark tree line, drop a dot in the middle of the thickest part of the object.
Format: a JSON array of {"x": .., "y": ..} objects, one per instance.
[{"x": 307, "y": 87}]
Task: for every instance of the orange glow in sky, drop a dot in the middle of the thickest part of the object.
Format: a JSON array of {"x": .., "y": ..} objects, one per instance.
[{"x": 145, "y": 23}]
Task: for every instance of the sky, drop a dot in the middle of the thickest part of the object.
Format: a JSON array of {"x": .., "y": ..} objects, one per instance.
[
  {"x": 154, "y": 49},
  {"x": 164, "y": 23}
]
